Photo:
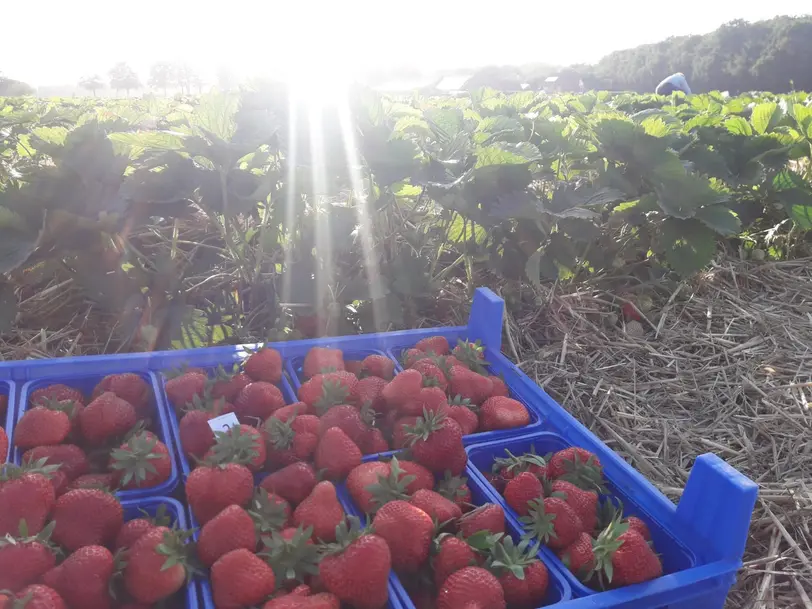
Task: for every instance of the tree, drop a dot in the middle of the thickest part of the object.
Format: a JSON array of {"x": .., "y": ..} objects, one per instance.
[
  {"x": 92, "y": 83},
  {"x": 122, "y": 76},
  {"x": 162, "y": 75},
  {"x": 13, "y": 88},
  {"x": 226, "y": 80},
  {"x": 188, "y": 78}
]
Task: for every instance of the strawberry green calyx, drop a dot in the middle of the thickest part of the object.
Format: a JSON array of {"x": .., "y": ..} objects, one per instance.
[
  {"x": 472, "y": 355},
  {"x": 135, "y": 460},
  {"x": 422, "y": 429},
  {"x": 294, "y": 558},
  {"x": 24, "y": 537},
  {"x": 333, "y": 394},
  {"x": 507, "y": 557},
  {"x": 234, "y": 446},
  {"x": 345, "y": 535},
  {"x": 69, "y": 407},
  {"x": 268, "y": 516},
  {"x": 539, "y": 523},
  {"x": 458, "y": 400},
  {"x": 206, "y": 403},
  {"x": 584, "y": 474},
  {"x": 10, "y": 471},
  {"x": 391, "y": 487},
  {"x": 280, "y": 433},
  {"x": 162, "y": 517},
  {"x": 517, "y": 464},
  {"x": 453, "y": 487},
  {"x": 606, "y": 545},
  {"x": 177, "y": 550}
]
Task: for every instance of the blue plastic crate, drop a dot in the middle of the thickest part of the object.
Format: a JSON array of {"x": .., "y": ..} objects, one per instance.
[
  {"x": 559, "y": 590},
  {"x": 8, "y": 389},
  {"x": 674, "y": 555},
  {"x": 133, "y": 509},
  {"x": 59, "y": 373},
  {"x": 711, "y": 520},
  {"x": 185, "y": 467}
]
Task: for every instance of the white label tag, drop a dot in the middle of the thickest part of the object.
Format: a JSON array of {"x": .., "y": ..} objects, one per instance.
[{"x": 223, "y": 422}]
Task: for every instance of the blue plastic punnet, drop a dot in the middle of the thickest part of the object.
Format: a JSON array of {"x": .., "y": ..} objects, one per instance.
[
  {"x": 559, "y": 589},
  {"x": 135, "y": 509},
  {"x": 86, "y": 383},
  {"x": 701, "y": 539}
]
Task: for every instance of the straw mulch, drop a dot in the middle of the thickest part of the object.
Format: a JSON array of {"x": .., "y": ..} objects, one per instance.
[{"x": 724, "y": 366}]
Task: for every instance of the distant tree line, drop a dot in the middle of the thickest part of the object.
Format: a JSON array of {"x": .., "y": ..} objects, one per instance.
[{"x": 773, "y": 55}]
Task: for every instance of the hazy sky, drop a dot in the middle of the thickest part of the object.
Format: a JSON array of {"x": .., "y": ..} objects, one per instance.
[{"x": 58, "y": 41}]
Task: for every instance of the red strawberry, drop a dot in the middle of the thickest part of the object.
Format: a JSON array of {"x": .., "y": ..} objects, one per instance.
[
  {"x": 523, "y": 576},
  {"x": 438, "y": 345},
  {"x": 469, "y": 384},
  {"x": 435, "y": 505},
  {"x": 36, "y": 597},
  {"x": 239, "y": 444},
  {"x": 70, "y": 459},
  {"x": 57, "y": 392},
  {"x": 3, "y": 446},
  {"x": 320, "y": 510},
  {"x": 322, "y": 600},
  {"x": 142, "y": 461},
  {"x": 105, "y": 418},
  {"x": 553, "y": 522},
  {"x": 452, "y": 554},
  {"x": 499, "y": 387},
  {"x": 570, "y": 460},
  {"x": 41, "y": 426},
  {"x": 423, "y": 478},
  {"x": 100, "y": 481},
  {"x": 378, "y": 365},
  {"x": 196, "y": 437},
  {"x": 365, "y": 480},
  {"x": 487, "y": 517},
  {"x": 469, "y": 588},
  {"x": 510, "y": 466},
  {"x": 257, "y": 401},
  {"x": 211, "y": 489},
  {"x": 471, "y": 355},
  {"x": 521, "y": 490},
  {"x": 23, "y": 561},
  {"x": 291, "y": 441},
  {"x": 579, "y": 556},
  {"x": 584, "y": 502},
  {"x": 131, "y": 530},
  {"x": 182, "y": 389},
  {"x": 86, "y": 517},
  {"x": 226, "y": 385},
  {"x": 357, "y": 568},
  {"x": 346, "y": 417},
  {"x": 155, "y": 566},
  {"x": 428, "y": 399},
  {"x": 321, "y": 359},
  {"x": 373, "y": 442},
  {"x": 337, "y": 454},
  {"x": 26, "y": 494},
  {"x": 292, "y": 410},
  {"x": 293, "y": 482},
  {"x": 241, "y": 579},
  {"x": 129, "y": 387},
  {"x": 411, "y": 356},
  {"x": 403, "y": 388},
  {"x": 408, "y": 531},
  {"x": 462, "y": 412},
  {"x": 502, "y": 413},
  {"x": 324, "y": 391},
  {"x": 230, "y": 530},
  {"x": 353, "y": 366},
  {"x": 635, "y": 524},
  {"x": 436, "y": 443},
  {"x": 83, "y": 580},
  {"x": 630, "y": 312},
  {"x": 264, "y": 365},
  {"x": 433, "y": 375},
  {"x": 60, "y": 482},
  {"x": 368, "y": 392},
  {"x": 625, "y": 556}
]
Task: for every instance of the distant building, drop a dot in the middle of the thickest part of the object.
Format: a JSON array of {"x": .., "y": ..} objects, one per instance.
[{"x": 566, "y": 80}]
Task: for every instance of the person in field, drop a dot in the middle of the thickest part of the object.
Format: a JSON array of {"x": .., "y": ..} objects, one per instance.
[{"x": 675, "y": 82}]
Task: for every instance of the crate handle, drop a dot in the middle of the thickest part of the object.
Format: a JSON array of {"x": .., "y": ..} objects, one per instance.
[{"x": 485, "y": 319}]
